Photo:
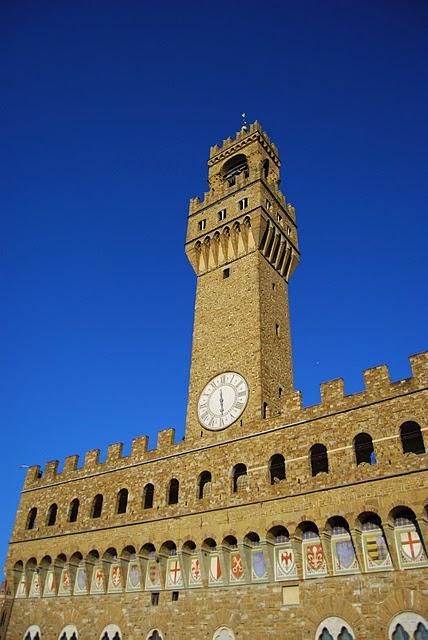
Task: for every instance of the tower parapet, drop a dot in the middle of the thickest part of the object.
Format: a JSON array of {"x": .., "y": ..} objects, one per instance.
[{"x": 377, "y": 388}]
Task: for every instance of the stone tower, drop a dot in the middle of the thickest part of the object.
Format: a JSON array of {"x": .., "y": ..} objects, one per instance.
[{"x": 242, "y": 243}]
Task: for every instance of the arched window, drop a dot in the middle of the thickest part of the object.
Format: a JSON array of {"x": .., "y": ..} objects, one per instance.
[
  {"x": 204, "y": 479},
  {"x": 31, "y": 518},
  {"x": 239, "y": 472},
  {"x": 277, "y": 468},
  {"x": 148, "y": 494},
  {"x": 265, "y": 168},
  {"x": 411, "y": 438},
  {"x": 224, "y": 633},
  {"x": 154, "y": 634},
  {"x": 111, "y": 632},
  {"x": 364, "y": 451},
  {"x": 33, "y": 633},
  {"x": 74, "y": 510},
  {"x": 408, "y": 626},
  {"x": 51, "y": 519},
  {"x": 173, "y": 491},
  {"x": 233, "y": 167},
  {"x": 319, "y": 459},
  {"x": 122, "y": 501},
  {"x": 69, "y": 633},
  {"x": 97, "y": 506},
  {"x": 334, "y": 628}
]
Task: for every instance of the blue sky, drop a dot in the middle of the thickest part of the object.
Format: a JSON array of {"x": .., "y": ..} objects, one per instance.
[{"x": 108, "y": 111}]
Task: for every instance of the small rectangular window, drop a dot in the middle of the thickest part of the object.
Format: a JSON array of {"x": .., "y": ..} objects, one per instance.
[
  {"x": 268, "y": 205},
  {"x": 175, "y": 595},
  {"x": 243, "y": 204},
  {"x": 277, "y": 329},
  {"x": 279, "y": 217},
  {"x": 288, "y": 231},
  {"x": 222, "y": 214},
  {"x": 202, "y": 224},
  {"x": 155, "y": 598},
  {"x": 265, "y": 410},
  {"x": 226, "y": 273}
]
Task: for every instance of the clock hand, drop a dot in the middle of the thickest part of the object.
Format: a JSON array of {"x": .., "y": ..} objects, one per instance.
[{"x": 221, "y": 401}]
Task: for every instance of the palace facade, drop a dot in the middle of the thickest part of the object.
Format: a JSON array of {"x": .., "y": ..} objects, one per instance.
[{"x": 270, "y": 519}]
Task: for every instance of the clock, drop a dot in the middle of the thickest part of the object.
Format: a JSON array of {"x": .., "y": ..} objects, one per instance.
[{"x": 222, "y": 401}]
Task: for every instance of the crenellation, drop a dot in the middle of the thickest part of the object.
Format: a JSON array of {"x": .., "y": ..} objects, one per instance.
[
  {"x": 33, "y": 475},
  {"x": 91, "y": 459},
  {"x": 292, "y": 404},
  {"x": 165, "y": 441},
  {"x": 419, "y": 365},
  {"x": 332, "y": 393},
  {"x": 333, "y": 399},
  {"x": 50, "y": 470},
  {"x": 139, "y": 448},
  {"x": 377, "y": 380},
  {"x": 70, "y": 465},
  {"x": 114, "y": 453}
]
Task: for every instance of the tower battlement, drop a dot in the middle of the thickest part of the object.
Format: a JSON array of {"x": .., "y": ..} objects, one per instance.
[
  {"x": 377, "y": 387},
  {"x": 253, "y": 143},
  {"x": 242, "y": 138}
]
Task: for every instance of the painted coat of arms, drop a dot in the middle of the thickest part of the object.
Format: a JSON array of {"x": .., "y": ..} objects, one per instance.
[
  {"x": 314, "y": 561},
  {"x": 236, "y": 567},
  {"x": 81, "y": 580},
  {"x": 133, "y": 576},
  {"x": 116, "y": 577},
  {"x": 174, "y": 577},
  {"x": 21, "y": 590},
  {"x": 153, "y": 575},
  {"x": 98, "y": 580},
  {"x": 65, "y": 583},
  {"x": 285, "y": 565},
  {"x": 35, "y": 585},
  {"x": 377, "y": 554},
  {"x": 259, "y": 567},
  {"x": 50, "y": 584},
  {"x": 411, "y": 550},
  {"x": 215, "y": 574},
  {"x": 195, "y": 576},
  {"x": 345, "y": 559}
]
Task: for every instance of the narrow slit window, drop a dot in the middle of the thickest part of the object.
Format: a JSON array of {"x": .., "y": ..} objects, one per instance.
[
  {"x": 243, "y": 204},
  {"x": 222, "y": 214},
  {"x": 226, "y": 273},
  {"x": 202, "y": 224}
]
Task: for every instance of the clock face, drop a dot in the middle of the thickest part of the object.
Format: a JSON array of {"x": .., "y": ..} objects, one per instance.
[{"x": 222, "y": 401}]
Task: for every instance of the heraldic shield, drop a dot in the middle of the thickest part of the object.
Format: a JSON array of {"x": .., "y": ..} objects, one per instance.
[
  {"x": 236, "y": 567},
  {"x": 314, "y": 561},
  {"x": 259, "y": 565},
  {"x": 345, "y": 560},
  {"x": 195, "y": 574},
  {"x": 285, "y": 565},
  {"x": 411, "y": 551},
  {"x": 376, "y": 552},
  {"x": 215, "y": 573}
]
